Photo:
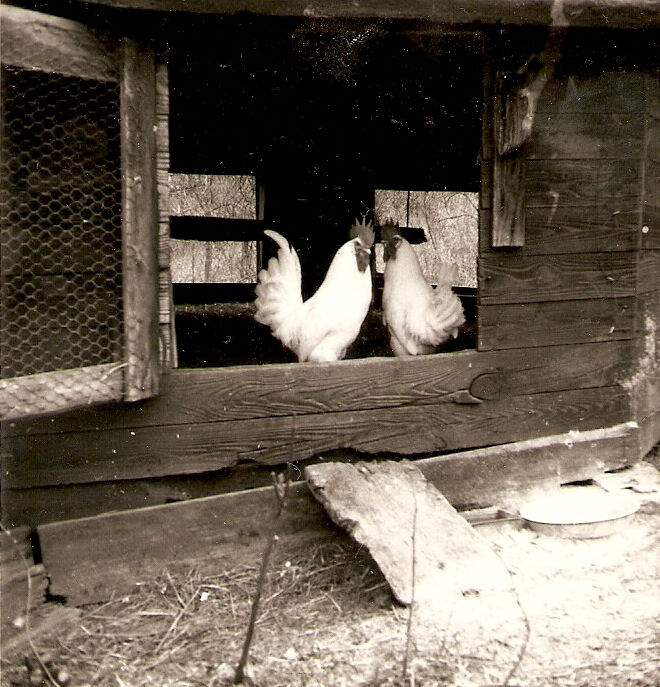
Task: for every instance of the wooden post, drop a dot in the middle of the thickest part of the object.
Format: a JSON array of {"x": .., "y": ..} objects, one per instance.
[{"x": 140, "y": 219}]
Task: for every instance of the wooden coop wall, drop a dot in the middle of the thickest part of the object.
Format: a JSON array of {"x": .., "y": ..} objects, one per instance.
[
  {"x": 558, "y": 346},
  {"x": 589, "y": 269}
]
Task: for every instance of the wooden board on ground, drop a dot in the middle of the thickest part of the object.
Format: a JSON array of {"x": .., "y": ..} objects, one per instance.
[
  {"x": 425, "y": 549},
  {"x": 91, "y": 559}
]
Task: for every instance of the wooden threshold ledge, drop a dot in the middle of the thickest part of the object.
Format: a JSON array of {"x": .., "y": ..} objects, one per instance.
[{"x": 92, "y": 559}]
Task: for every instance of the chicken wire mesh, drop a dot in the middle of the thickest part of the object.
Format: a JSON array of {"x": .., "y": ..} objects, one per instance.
[{"x": 60, "y": 223}]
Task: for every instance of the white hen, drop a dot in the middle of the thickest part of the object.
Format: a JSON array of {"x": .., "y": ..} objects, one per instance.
[
  {"x": 418, "y": 317},
  {"x": 324, "y": 326}
]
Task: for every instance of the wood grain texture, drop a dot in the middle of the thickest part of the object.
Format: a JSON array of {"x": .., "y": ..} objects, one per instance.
[
  {"x": 648, "y": 275},
  {"x": 594, "y": 225},
  {"x": 223, "y": 394},
  {"x": 649, "y": 433},
  {"x": 170, "y": 450},
  {"x": 607, "y": 92},
  {"x": 38, "y": 505},
  {"x": 606, "y": 226},
  {"x": 115, "y": 551},
  {"x": 585, "y": 13},
  {"x": 650, "y": 228},
  {"x": 507, "y": 474},
  {"x": 33, "y": 40},
  {"x": 528, "y": 279},
  {"x": 556, "y": 323},
  {"x": 570, "y": 183},
  {"x": 643, "y": 379},
  {"x": 508, "y": 211},
  {"x": 140, "y": 220},
  {"x": 90, "y": 559},
  {"x": 580, "y": 136},
  {"x": 168, "y": 357}
]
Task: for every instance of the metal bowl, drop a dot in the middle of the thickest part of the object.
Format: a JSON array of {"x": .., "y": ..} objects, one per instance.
[{"x": 579, "y": 512}]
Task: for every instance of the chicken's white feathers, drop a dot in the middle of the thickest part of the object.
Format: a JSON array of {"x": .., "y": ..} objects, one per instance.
[
  {"x": 324, "y": 326},
  {"x": 418, "y": 317},
  {"x": 279, "y": 285}
]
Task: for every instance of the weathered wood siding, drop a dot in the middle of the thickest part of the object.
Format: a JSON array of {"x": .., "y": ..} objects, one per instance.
[
  {"x": 213, "y": 419},
  {"x": 575, "y": 279},
  {"x": 566, "y": 342},
  {"x": 645, "y": 382}
]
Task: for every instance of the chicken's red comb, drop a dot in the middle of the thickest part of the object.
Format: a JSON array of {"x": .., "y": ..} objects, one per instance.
[
  {"x": 364, "y": 231},
  {"x": 389, "y": 230}
]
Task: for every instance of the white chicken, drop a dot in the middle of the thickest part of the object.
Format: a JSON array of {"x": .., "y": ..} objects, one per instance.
[
  {"x": 418, "y": 317},
  {"x": 323, "y": 327}
]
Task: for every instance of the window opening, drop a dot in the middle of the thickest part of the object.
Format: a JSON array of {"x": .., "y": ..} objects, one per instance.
[
  {"x": 450, "y": 222},
  {"x": 322, "y": 114}
]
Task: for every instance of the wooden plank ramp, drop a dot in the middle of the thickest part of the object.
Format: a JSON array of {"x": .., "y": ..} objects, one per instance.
[
  {"x": 91, "y": 559},
  {"x": 424, "y": 548}
]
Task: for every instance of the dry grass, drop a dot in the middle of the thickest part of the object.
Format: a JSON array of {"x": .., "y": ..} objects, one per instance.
[
  {"x": 179, "y": 628},
  {"x": 327, "y": 619}
]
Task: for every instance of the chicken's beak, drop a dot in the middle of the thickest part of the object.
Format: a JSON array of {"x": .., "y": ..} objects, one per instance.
[
  {"x": 362, "y": 256},
  {"x": 389, "y": 248}
]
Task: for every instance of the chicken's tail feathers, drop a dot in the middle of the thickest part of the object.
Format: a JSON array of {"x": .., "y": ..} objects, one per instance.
[
  {"x": 446, "y": 274},
  {"x": 447, "y": 315},
  {"x": 278, "y": 287}
]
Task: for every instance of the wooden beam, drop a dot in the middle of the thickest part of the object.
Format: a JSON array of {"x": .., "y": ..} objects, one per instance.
[
  {"x": 90, "y": 559},
  {"x": 33, "y": 40},
  {"x": 140, "y": 220},
  {"x": 49, "y": 392},
  {"x": 408, "y": 430},
  {"x": 583, "y": 13},
  {"x": 219, "y": 395},
  {"x": 216, "y": 228}
]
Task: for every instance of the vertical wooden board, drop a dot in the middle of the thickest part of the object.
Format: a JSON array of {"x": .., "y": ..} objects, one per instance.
[
  {"x": 167, "y": 336},
  {"x": 643, "y": 382},
  {"x": 508, "y": 170},
  {"x": 652, "y": 138},
  {"x": 140, "y": 219},
  {"x": 652, "y": 95},
  {"x": 508, "y": 211}
]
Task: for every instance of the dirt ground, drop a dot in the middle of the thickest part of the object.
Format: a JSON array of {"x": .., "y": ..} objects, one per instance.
[{"x": 580, "y": 613}]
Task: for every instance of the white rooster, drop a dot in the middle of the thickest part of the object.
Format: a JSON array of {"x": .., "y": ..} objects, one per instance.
[
  {"x": 418, "y": 317},
  {"x": 323, "y": 327}
]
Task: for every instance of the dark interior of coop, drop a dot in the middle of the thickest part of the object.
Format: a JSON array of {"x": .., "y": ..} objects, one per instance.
[{"x": 321, "y": 114}]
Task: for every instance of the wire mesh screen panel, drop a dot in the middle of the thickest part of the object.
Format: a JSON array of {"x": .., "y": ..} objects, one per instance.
[{"x": 60, "y": 223}]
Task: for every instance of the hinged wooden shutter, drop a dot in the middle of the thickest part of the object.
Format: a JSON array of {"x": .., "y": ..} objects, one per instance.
[{"x": 68, "y": 330}]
